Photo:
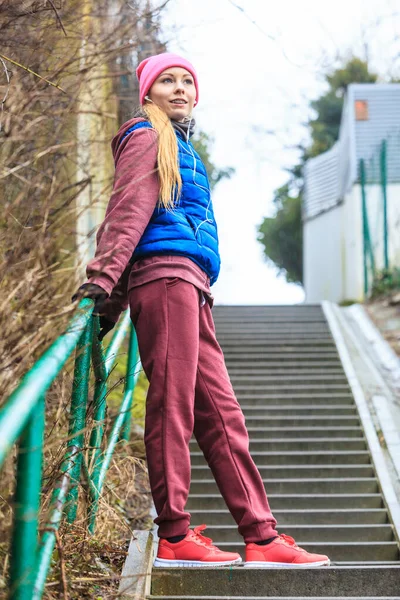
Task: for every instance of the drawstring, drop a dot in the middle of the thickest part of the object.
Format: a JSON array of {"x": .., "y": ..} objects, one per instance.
[
  {"x": 188, "y": 130},
  {"x": 206, "y": 220}
]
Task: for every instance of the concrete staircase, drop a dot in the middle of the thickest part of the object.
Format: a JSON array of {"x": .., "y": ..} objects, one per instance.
[{"x": 308, "y": 443}]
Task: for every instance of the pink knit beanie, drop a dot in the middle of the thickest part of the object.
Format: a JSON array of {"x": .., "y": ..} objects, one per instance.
[{"x": 150, "y": 68}]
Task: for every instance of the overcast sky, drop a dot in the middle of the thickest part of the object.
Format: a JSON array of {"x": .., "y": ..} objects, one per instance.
[{"x": 256, "y": 80}]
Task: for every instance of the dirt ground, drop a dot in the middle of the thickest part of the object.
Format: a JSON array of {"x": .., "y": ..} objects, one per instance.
[{"x": 385, "y": 313}]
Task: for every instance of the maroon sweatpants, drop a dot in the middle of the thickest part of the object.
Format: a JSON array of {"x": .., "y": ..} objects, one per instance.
[{"x": 190, "y": 392}]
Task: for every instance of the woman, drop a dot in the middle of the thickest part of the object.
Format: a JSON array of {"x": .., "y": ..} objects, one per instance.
[{"x": 158, "y": 250}]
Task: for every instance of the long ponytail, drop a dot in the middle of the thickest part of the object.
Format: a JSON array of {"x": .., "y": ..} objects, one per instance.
[{"x": 167, "y": 157}]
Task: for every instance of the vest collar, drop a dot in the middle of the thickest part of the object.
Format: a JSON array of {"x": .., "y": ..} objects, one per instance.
[{"x": 185, "y": 129}]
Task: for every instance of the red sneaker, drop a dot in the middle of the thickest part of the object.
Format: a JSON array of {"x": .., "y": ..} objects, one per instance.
[
  {"x": 282, "y": 552},
  {"x": 195, "y": 550}
]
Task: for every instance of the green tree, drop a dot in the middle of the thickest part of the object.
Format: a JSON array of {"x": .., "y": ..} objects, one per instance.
[
  {"x": 324, "y": 128},
  {"x": 282, "y": 234}
]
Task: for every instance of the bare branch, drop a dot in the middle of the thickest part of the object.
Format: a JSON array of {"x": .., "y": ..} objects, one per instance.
[
  {"x": 58, "y": 17},
  {"x": 7, "y": 90},
  {"x": 14, "y": 62}
]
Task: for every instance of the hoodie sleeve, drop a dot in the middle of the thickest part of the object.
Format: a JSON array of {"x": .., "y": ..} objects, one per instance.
[{"x": 133, "y": 200}]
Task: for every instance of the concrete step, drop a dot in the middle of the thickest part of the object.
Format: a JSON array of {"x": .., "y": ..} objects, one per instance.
[
  {"x": 246, "y": 352},
  {"x": 304, "y": 311},
  {"x": 272, "y": 597},
  {"x": 345, "y": 516},
  {"x": 259, "y": 327},
  {"x": 263, "y": 398},
  {"x": 305, "y": 370},
  {"x": 352, "y": 485},
  {"x": 220, "y": 315},
  {"x": 295, "y": 501},
  {"x": 294, "y": 457},
  {"x": 294, "y": 419},
  {"x": 304, "y": 432},
  {"x": 239, "y": 582},
  {"x": 262, "y": 323},
  {"x": 274, "y": 325},
  {"x": 277, "y": 338},
  {"x": 301, "y": 410},
  {"x": 290, "y": 388},
  {"x": 255, "y": 357},
  {"x": 296, "y": 364},
  {"x": 267, "y": 320},
  {"x": 298, "y": 471},
  {"x": 276, "y": 333},
  {"x": 279, "y": 319},
  {"x": 267, "y": 379},
  {"x": 309, "y": 533},
  {"x": 262, "y": 360},
  {"x": 283, "y": 345},
  {"x": 262, "y": 332},
  {"x": 296, "y": 444},
  {"x": 254, "y": 317}
]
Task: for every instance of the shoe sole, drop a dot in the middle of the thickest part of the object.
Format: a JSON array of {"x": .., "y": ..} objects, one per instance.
[
  {"x": 163, "y": 562},
  {"x": 254, "y": 564}
]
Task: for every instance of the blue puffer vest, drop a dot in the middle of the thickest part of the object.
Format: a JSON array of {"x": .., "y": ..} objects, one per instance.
[{"x": 189, "y": 229}]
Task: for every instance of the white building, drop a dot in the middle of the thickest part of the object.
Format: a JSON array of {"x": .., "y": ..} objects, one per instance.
[{"x": 333, "y": 254}]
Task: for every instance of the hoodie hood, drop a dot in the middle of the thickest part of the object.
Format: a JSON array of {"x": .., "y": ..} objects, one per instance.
[{"x": 115, "y": 143}]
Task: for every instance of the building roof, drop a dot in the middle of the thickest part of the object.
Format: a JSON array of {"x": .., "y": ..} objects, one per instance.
[{"x": 371, "y": 114}]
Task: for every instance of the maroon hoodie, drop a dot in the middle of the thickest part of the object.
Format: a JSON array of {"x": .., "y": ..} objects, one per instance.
[{"x": 131, "y": 205}]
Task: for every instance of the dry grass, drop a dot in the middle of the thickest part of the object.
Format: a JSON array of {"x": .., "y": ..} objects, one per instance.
[
  {"x": 84, "y": 566},
  {"x": 92, "y": 565}
]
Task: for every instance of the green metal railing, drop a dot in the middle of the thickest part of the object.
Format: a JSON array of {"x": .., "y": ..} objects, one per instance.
[
  {"x": 22, "y": 421},
  {"x": 368, "y": 251},
  {"x": 375, "y": 171}
]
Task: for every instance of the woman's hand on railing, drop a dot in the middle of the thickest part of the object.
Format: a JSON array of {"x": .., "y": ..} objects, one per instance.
[
  {"x": 93, "y": 291},
  {"x": 96, "y": 293}
]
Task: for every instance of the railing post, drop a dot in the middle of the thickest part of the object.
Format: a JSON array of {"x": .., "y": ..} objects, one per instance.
[
  {"x": 80, "y": 389},
  {"x": 364, "y": 218},
  {"x": 130, "y": 382},
  {"x": 27, "y": 500},
  {"x": 52, "y": 525},
  {"x": 99, "y": 413},
  {"x": 383, "y": 163},
  {"x": 124, "y": 414},
  {"x": 367, "y": 242}
]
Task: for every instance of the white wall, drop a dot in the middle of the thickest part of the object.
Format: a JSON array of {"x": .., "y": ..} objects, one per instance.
[
  {"x": 333, "y": 245},
  {"x": 322, "y": 257},
  {"x": 375, "y": 218},
  {"x": 352, "y": 247},
  {"x": 394, "y": 223}
]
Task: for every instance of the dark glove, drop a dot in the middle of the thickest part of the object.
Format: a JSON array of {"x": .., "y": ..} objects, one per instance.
[
  {"x": 93, "y": 291},
  {"x": 105, "y": 326}
]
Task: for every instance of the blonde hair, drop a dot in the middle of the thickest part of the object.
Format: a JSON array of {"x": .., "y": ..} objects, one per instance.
[{"x": 167, "y": 156}]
